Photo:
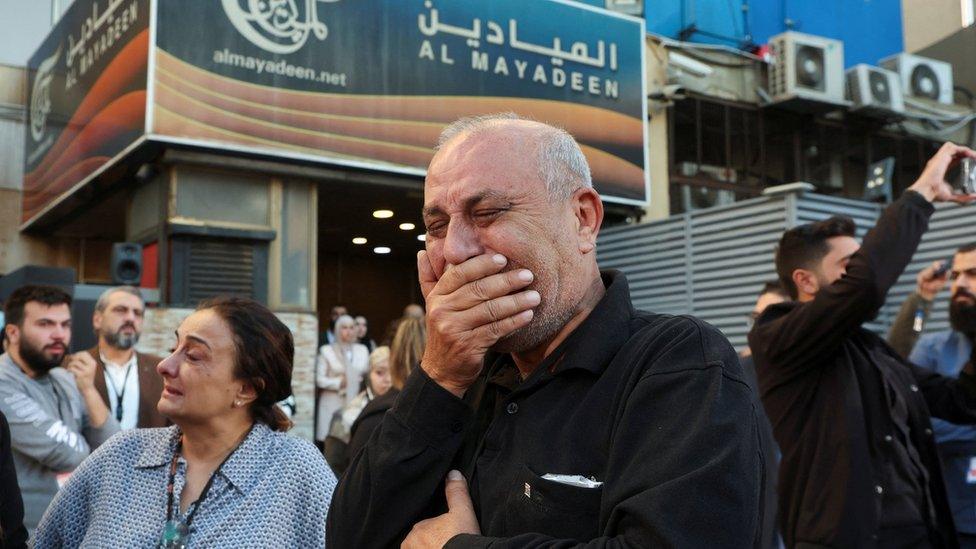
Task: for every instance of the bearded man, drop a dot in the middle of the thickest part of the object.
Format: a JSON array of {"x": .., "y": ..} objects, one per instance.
[
  {"x": 126, "y": 379},
  {"x": 852, "y": 417},
  {"x": 56, "y": 415},
  {"x": 546, "y": 411},
  {"x": 947, "y": 352}
]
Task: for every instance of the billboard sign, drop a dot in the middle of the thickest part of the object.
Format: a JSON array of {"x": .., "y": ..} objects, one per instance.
[
  {"x": 372, "y": 82},
  {"x": 87, "y": 98},
  {"x": 365, "y": 83}
]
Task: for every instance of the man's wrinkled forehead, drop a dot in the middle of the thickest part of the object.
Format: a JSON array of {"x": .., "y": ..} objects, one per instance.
[
  {"x": 479, "y": 146},
  {"x": 492, "y": 161}
]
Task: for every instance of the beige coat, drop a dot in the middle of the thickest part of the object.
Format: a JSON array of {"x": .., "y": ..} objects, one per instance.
[{"x": 330, "y": 371}]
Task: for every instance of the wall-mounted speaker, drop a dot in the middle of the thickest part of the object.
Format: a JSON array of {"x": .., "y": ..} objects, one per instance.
[{"x": 126, "y": 263}]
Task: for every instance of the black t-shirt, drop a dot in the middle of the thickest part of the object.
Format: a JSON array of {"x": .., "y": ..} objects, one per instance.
[{"x": 13, "y": 535}]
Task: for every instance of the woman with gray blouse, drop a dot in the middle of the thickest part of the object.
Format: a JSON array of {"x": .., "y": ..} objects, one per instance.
[{"x": 225, "y": 474}]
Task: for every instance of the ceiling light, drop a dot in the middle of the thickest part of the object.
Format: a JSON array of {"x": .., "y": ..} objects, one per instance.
[
  {"x": 381, "y": 250},
  {"x": 359, "y": 240},
  {"x": 383, "y": 214},
  {"x": 422, "y": 237},
  {"x": 407, "y": 226}
]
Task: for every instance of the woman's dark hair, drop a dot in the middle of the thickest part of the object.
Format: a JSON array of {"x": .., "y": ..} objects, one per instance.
[{"x": 265, "y": 354}]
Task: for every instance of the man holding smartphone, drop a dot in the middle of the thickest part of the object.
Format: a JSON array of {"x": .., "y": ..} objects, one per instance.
[
  {"x": 947, "y": 352},
  {"x": 546, "y": 411},
  {"x": 851, "y": 416}
]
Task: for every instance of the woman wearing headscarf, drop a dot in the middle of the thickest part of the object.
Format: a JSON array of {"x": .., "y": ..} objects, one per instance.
[
  {"x": 224, "y": 474},
  {"x": 378, "y": 383},
  {"x": 339, "y": 372}
]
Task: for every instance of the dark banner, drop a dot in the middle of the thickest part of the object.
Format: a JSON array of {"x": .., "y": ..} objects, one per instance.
[
  {"x": 87, "y": 100},
  {"x": 373, "y": 82}
]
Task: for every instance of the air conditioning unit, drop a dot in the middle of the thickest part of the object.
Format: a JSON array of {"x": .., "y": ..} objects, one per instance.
[
  {"x": 807, "y": 72},
  {"x": 922, "y": 77},
  {"x": 874, "y": 91}
]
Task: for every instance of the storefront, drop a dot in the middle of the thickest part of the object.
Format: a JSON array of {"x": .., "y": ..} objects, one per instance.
[{"x": 247, "y": 145}]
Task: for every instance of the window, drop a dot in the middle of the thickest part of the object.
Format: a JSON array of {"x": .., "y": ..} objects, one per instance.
[
  {"x": 722, "y": 152},
  {"x": 296, "y": 236},
  {"x": 220, "y": 198}
]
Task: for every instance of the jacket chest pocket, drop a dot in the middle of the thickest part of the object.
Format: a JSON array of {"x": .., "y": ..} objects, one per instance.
[{"x": 553, "y": 508}]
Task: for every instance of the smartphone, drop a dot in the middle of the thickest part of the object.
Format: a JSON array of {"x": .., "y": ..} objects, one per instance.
[
  {"x": 945, "y": 268},
  {"x": 966, "y": 182}
]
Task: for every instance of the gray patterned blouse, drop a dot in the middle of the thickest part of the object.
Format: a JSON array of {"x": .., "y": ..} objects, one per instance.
[{"x": 274, "y": 491}]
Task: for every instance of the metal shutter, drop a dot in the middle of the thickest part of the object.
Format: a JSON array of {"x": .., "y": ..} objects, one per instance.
[
  {"x": 206, "y": 267},
  {"x": 220, "y": 268},
  {"x": 712, "y": 263}
]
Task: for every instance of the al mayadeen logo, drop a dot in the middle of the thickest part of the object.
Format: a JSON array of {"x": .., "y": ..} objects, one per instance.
[
  {"x": 277, "y": 26},
  {"x": 40, "y": 104}
]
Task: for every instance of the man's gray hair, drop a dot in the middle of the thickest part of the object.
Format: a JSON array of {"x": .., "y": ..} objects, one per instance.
[
  {"x": 102, "y": 302},
  {"x": 562, "y": 166}
]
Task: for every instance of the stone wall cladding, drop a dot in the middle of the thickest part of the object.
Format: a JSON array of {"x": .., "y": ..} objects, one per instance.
[{"x": 158, "y": 339}]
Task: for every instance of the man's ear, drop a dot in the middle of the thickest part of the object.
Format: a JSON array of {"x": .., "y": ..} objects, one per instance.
[
  {"x": 806, "y": 282},
  {"x": 12, "y": 331},
  {"x": 588, "y": 210}
]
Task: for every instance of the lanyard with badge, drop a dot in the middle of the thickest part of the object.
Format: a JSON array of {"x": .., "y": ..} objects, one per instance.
[
  {"x": 120, "y": 395},
  {"x": 176, "y": 532}
]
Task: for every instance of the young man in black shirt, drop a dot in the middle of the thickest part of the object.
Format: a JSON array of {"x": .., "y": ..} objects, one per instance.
[
  {"x": 13, "y": 535},
  {"x": 574, "y": 418},
  {"x": 851, "y": 417}
]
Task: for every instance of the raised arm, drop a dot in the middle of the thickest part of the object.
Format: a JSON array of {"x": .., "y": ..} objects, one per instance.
[
  {"x": 394, "y": 481},
  {"x": 797, "y": 341},
  {"x": 915, "y": 310}
]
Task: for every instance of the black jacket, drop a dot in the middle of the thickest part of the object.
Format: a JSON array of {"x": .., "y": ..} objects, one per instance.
[
  {"x": 770, "y": 538},
  {"x": 821, "y": 387},
  {"x": 369, "y": 419},
  {"x": 653, "y": 406},
  {"x": 13, "y": 535}
]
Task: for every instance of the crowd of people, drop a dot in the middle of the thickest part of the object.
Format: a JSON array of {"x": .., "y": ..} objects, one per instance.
[{"x": 529, "y": 405}]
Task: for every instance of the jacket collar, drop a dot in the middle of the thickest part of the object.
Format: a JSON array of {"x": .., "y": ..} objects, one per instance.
[
  {"x": 595, "y": 342},
  {"x": 241, "y": 470}
]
